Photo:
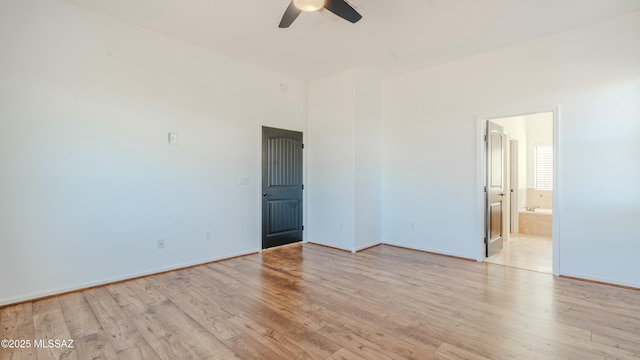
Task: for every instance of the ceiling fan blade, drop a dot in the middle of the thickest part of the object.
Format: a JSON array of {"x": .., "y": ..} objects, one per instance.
[
  {"x": 342, "y": 9},
  {"x": 289, "y": 16}
]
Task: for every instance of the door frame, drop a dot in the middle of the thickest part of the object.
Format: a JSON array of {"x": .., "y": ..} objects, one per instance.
[
  {"x": 258, "y": 183},
  {"x": 514, "y": 197},
  {"x": 481, "y": 127}
]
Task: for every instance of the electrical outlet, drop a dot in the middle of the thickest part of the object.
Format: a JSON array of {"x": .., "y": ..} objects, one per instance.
[
  {"x": 161, "y": 244},
  {"x": 207, "y": 235}
]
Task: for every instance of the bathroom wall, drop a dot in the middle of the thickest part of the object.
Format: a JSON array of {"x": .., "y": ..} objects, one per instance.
[
  {"x": 540, "y": 198},
  {"x": 539, "y": 131},
  {"x": 529, "y": 130}
]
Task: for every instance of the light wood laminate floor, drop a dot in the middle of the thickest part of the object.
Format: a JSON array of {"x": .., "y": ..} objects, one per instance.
[
  {"x": 525, "y": 252},
  {"x": 312, "y": 302}
]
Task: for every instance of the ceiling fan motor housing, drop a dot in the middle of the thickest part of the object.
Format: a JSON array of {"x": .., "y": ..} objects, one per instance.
[
  {"x": 309, "y": 5},
  {"x": 338, "y": 7}
]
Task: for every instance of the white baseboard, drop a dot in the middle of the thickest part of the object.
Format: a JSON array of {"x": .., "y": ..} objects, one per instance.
[
  {"x": 89, "y": 284},
  {"x": 329, "y": 246},
  {"x": 366, "y": 246},
  {"x": 61, "y": 290},
  {"x": 600, "y": 279},
  {"x": 430, "y": 250}
]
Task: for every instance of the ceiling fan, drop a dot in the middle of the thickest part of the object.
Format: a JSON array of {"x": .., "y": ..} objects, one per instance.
[{"x": 338, "y": 7}]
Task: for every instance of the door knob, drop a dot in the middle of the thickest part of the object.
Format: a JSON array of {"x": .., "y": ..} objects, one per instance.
[{"x": 264, "y": 194}]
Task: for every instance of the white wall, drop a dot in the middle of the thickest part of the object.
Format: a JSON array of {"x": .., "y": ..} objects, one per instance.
[
  {"x": 88, "y": 182},
  {"x": 431, "y": 139},
  {"x": 539, "y": 132},
  {"x": 368, "y": 167},
  {"x": 331, "y": 161},
  {"x": 344, "y": 160}
]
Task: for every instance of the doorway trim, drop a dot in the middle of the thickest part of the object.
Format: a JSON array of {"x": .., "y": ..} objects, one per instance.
[
  {"x": 514, "y": 184},
  {"x": 481, "y": 124}
]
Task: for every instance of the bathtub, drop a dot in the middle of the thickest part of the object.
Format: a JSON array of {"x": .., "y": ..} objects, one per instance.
[
  {"x": 539, "y": 211},
  {"x": 536, "y": 222}
]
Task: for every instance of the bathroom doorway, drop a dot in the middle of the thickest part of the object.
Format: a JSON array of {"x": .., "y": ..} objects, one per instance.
[{"x": 528, "y": 202}]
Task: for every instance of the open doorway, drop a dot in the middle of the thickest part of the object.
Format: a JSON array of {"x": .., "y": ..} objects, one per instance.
[{"x": 527, "y": 195}]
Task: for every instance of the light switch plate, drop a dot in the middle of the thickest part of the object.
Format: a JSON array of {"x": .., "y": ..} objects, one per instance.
[{"x": 172, "y": 138}]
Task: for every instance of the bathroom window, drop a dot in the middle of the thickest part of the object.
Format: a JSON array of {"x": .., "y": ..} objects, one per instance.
[{"x": 544, "y": 167}]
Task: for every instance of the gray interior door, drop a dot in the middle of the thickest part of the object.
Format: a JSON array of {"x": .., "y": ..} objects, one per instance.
[
  {"x": 495, "y": 188},
  {"x": 281, "y": 187}
]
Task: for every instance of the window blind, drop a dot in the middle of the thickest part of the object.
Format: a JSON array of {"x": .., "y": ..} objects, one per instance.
[{"x": 544, "y": 167}]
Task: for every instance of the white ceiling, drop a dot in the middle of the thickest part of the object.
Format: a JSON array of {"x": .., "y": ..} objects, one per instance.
[{"x": 396, "y": 35}]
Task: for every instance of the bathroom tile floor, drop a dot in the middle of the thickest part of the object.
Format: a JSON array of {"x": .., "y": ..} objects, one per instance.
[{"x": 525, "y": 252}]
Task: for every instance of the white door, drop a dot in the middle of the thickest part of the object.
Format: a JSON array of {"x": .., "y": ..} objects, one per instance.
[{"x": 495, "y": 188}]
